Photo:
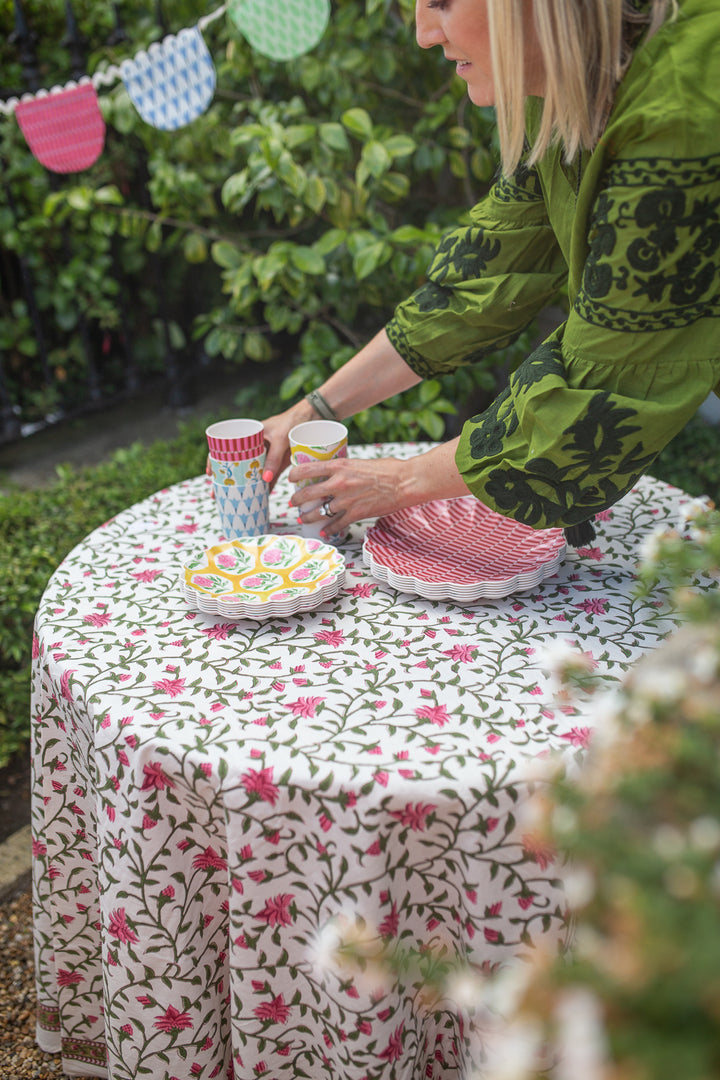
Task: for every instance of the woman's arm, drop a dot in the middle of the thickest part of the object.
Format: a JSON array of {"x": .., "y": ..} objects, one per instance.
[
  {"x": 367, "y": 489},
  {"x": 375, "y": 373}
]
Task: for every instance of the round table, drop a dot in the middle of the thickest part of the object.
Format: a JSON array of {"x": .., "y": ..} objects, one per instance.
[{"x": 208, "y": 795}]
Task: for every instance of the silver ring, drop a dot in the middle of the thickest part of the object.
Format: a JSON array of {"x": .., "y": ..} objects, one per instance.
[{"x": 325, "y": 509}]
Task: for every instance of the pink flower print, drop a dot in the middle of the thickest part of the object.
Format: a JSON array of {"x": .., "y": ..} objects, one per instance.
[
  {"x": 38, "y": 849},
  {"x": 491, "y": 935},
  {"x": 276, "y": 1011},
  {"x": 65, "y": 685},
  {"x": 260, "y": 782},
  {"x": 604, "y": 515},
  {"x": 463, "y": 653},
  {"x": 98, "y": 620},
  {"x": 187, "y": 528},
  {"x": 374, "y": 848},
  {"x": 148, "y": 822},
  {"x": 331, "y": 637},
  {"x": 304, "y": 706},
  {"x": 436, "y": 714},
  {"x": 225, "y": 559},
  {"x": 364, "y": 1026},
  {"x": 325, "y": 823},
  {"x": 203, "y": 581},
  {"x": 578, "y": 736},
  {"x": 382, "y": 777},
  {"x": 69, "y": 978},
  {"x": 209, "y": 860},
  {"x": 168, "y": 891},
  {"x": 539, "y": 850},
  {"x": 491, "y": 823},
  {"x": 219, "y": 631},
  {"x": 389, "y": 926},
  {"x": 590, "y": 552},
  {"x": 252, "y": 582},
  {"x": 173, "y": 687},
  {"x": 393, "y": 1050},
  {"x": 119, "y": 928},
  {"x": 363, "y": 591},
  {"x": 273, "y": 556},
  {"x": 414, "y": 816},
  {"x": 155, "y": 777},
  {"x": 597, "y": 606},
  {"x": 526, "y": 901},
  {"x": 131, "y": 740},
  {"x": 147, "y": 575},
  {"x": 277, "y": 910},
  {"x": 172, "y": 1020}
]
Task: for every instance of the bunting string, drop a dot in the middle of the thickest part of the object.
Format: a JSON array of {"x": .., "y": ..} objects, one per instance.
[{"x": 171, "y": 84}]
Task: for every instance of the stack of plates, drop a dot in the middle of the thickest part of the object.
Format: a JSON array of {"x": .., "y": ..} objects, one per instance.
[
  {"x": 458, "y": 549},
  {"x": 260, "y": 577}
]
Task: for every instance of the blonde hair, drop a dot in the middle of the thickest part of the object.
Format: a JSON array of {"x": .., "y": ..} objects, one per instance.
[{"x": 586, "y": 47}]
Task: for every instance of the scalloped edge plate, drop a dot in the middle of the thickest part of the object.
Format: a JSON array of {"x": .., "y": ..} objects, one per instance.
[
  {"x": 459, "y": 549},
  {"x": 238, "y": 601}
]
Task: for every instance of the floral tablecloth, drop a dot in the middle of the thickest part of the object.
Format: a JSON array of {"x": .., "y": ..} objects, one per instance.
[{"x": 208, "y": 795}]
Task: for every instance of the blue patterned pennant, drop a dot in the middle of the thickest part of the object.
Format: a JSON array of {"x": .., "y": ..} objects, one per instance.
[{"x": 173, "y": 82}]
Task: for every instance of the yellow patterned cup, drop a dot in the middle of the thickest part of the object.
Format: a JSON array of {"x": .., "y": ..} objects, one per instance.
[{"x": 316, "y": 440}]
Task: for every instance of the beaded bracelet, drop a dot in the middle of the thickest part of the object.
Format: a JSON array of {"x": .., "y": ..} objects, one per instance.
[{"x": 320, "y": 405}]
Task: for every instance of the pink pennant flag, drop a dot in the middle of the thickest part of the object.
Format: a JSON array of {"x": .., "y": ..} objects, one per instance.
[{"x": 64, "y": 130}]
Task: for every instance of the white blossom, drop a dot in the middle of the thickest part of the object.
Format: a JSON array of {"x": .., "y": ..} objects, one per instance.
[
  {"x": 704, "y": 834},
  {"x": 650, "y": 547},
  {"x": 668, "y": 842},
  {"x": 581, "y": 1043}
]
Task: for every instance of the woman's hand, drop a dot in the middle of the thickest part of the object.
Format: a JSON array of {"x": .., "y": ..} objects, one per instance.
[{"x": 357, "y": 488}]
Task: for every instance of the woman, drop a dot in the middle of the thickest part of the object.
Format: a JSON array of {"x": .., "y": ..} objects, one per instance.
[{"x": 610, "y": 137}]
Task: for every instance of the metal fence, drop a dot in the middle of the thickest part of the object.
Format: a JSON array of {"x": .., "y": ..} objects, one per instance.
[{"x": 18, "y": 283}]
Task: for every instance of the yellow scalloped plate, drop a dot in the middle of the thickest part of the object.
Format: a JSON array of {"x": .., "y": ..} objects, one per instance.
[{"x": 259, "y": 576}]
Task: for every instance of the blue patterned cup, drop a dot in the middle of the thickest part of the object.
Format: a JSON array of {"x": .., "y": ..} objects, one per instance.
[{"x": 243, "y": 508}]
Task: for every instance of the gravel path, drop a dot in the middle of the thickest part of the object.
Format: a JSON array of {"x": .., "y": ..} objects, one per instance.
[{"x": 20, "y": 1059}]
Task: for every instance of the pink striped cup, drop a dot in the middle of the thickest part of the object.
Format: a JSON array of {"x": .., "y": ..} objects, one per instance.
[{"x": 240, "y": 438}]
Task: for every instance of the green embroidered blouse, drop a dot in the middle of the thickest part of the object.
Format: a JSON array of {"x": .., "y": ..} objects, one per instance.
[{"x": 633, "y": 228}]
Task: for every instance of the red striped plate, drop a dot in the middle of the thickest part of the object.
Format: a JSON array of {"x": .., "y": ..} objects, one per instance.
[{"x": 458, "y": 549}]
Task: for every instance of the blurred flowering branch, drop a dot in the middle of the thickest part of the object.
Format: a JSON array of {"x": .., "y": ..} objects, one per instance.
[{"x": 638, "y": 996}]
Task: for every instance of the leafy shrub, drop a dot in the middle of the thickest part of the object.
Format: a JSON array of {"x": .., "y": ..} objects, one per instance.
[
  {"x": 286, "y": 221},
  {"x": 40, "y": 527}
]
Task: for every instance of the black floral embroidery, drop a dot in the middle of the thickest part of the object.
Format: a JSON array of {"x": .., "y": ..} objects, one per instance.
[
  {"x": 602, "y": 456},
  {"x": 432, "y": 297},
  {"x": 462, "y": 255},
  {"x": 522, "y": 186},
  {"x": 548, "y": 493},
  {"x": 488, "y": 439},
  {"x": 657, "y": 255},
  {"x": 545, "y": 360}
]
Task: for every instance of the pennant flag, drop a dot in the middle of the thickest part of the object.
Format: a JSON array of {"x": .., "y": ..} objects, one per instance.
[
  {"x": 282, "y": 30},
  {"x": 173, "y": 82},
  {"x": 65, "y": 130}
]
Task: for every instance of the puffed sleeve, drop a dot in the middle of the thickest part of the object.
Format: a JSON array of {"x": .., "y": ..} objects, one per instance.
[
  {"x": 588, "y": 411},
  {"x": 487, "y": 281}
]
